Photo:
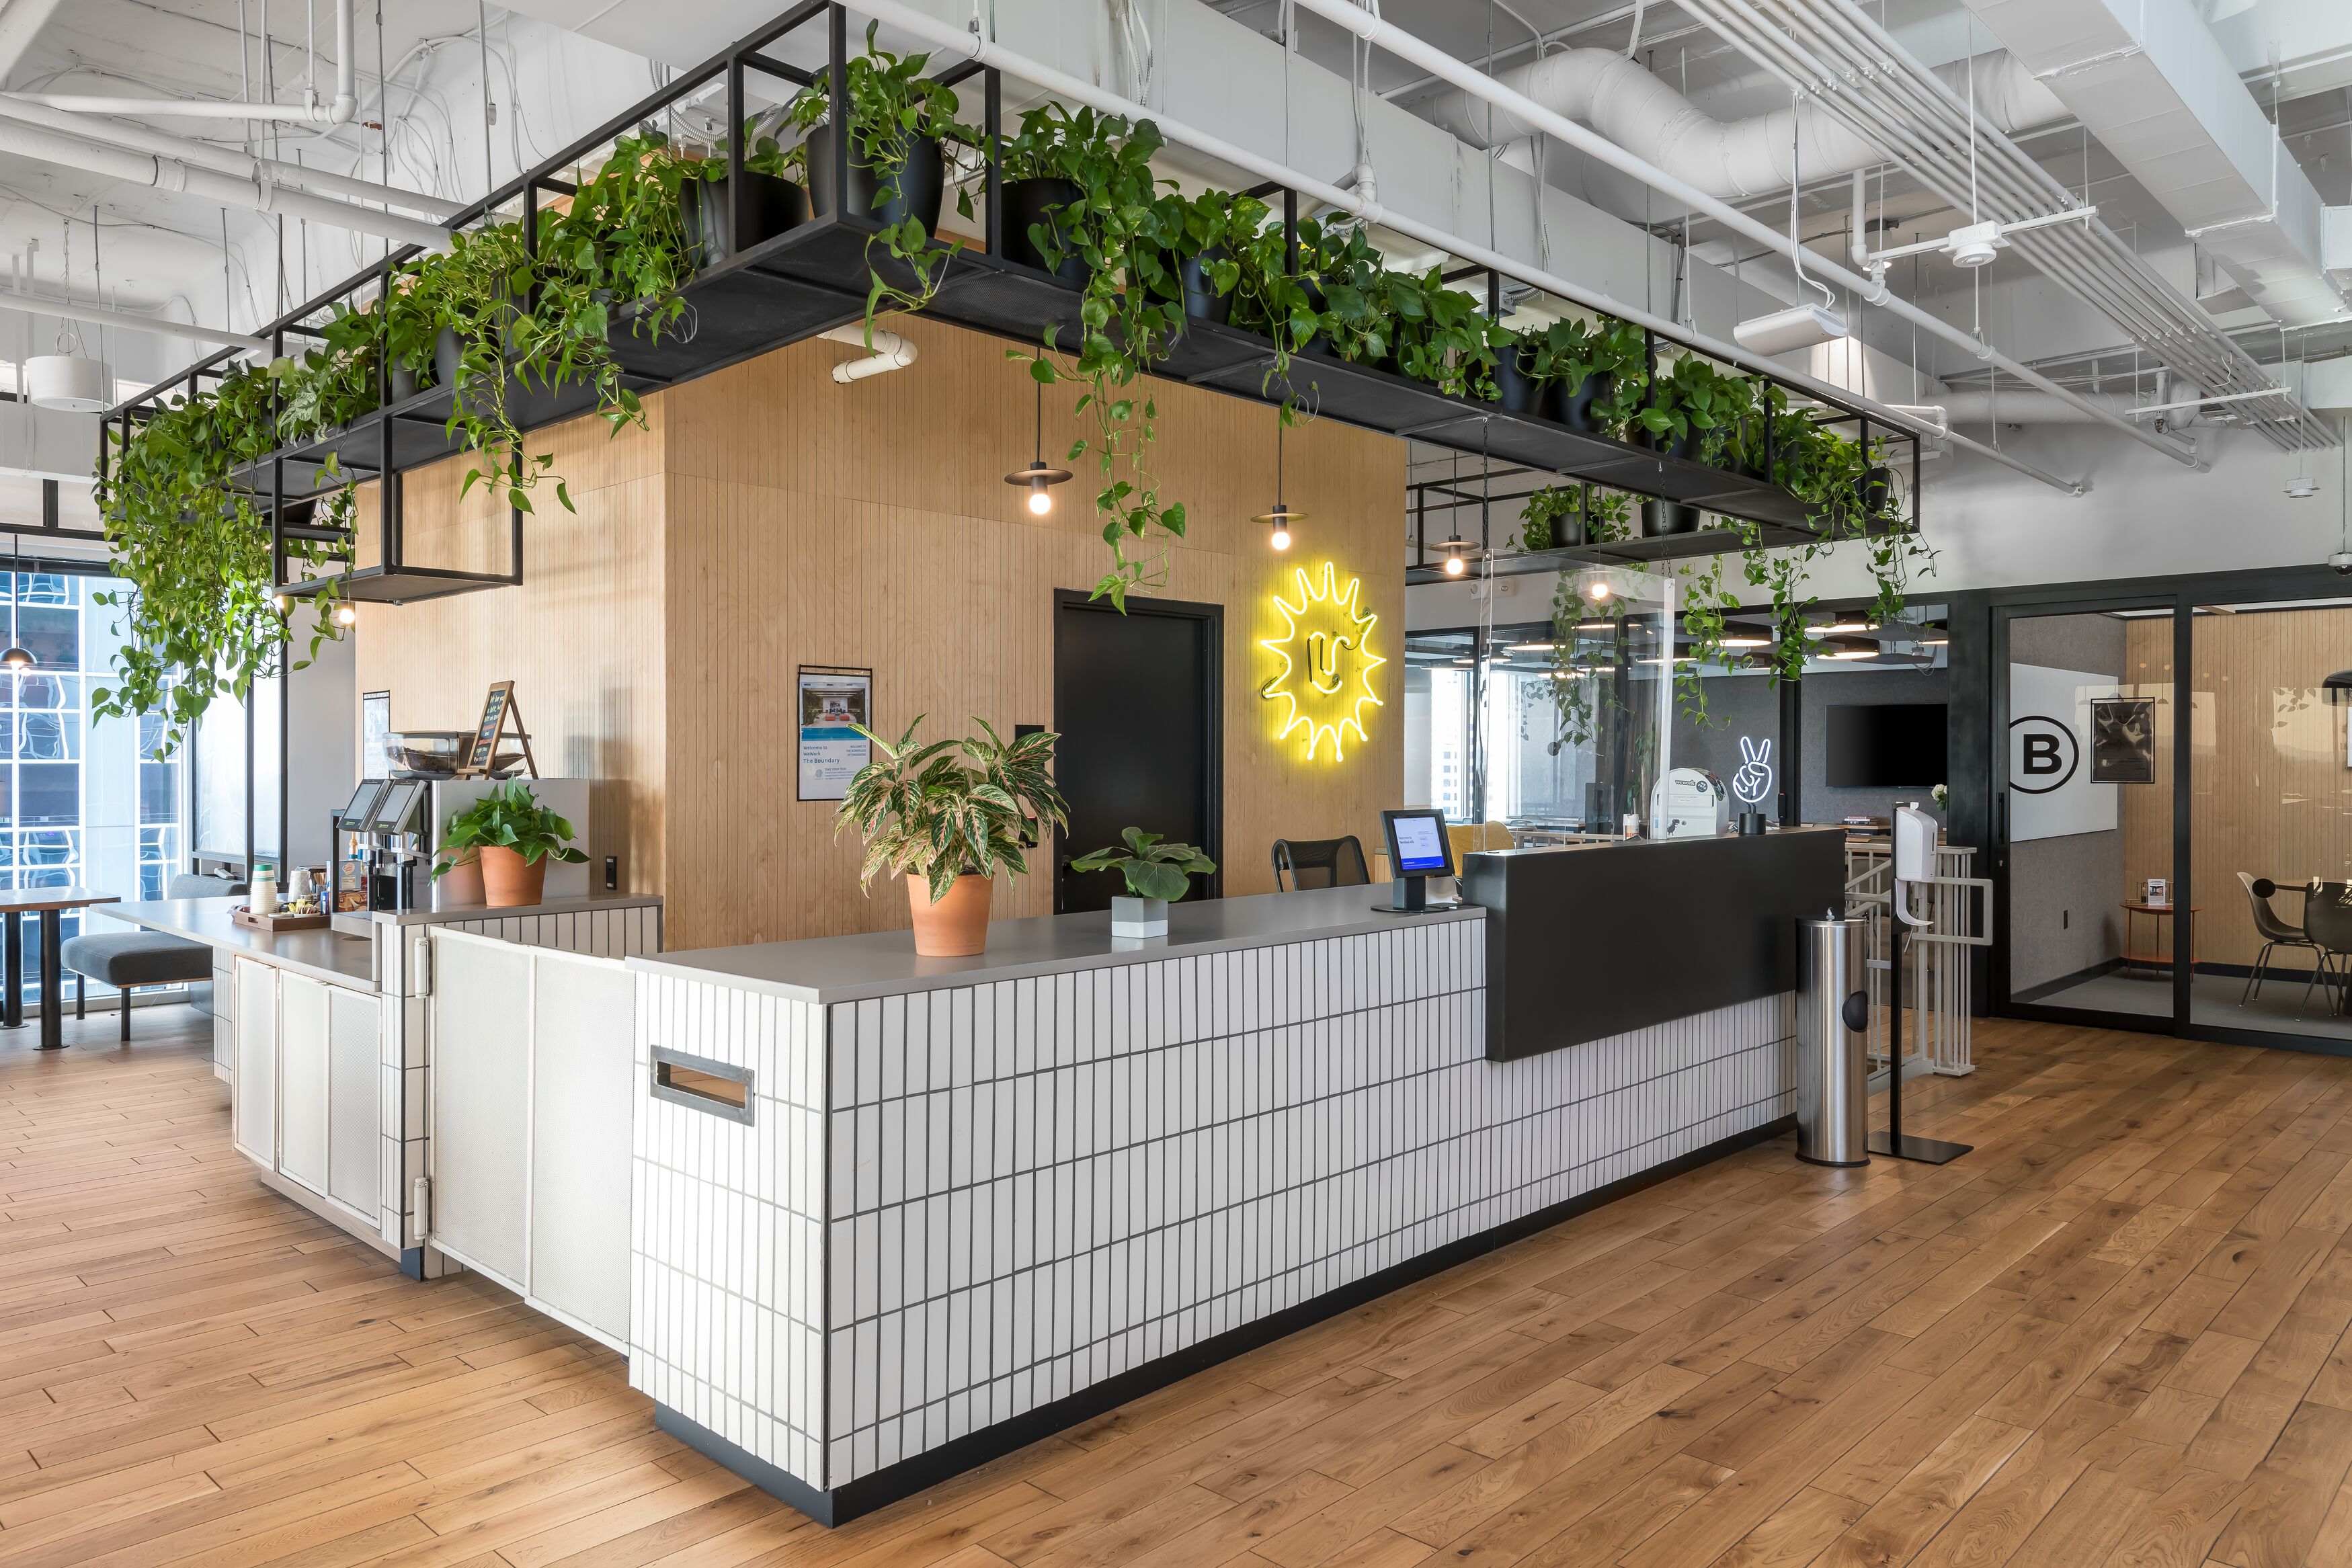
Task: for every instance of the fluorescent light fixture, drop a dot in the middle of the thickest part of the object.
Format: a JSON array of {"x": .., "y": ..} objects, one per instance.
[
  {"x": 1745, "y": 640},
  {"x": 1531, "y": 647},
  {"x": 1834, "y": 628},
  {"x": 1784, "y": 331}
]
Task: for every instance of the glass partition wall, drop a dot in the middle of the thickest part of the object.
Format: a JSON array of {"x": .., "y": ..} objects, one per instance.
[{"x": 1548, "y": 728}]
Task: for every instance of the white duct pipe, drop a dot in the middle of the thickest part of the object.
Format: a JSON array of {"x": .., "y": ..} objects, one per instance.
[
  {"x": 311, "y": 112},
  {"x": 20, "y": 24},
  {"x": 226, "y": 160},
  {"x": 1406, "y": 47},
  {"x": 1741, "y": 159},
  {"x": 260, "y": 195},
  {"x": 944, "y": 35},
  {"x": 890, "y": 352},
  {"x": 99, "y": 316},
  {"x": 1976, "y": 407}
]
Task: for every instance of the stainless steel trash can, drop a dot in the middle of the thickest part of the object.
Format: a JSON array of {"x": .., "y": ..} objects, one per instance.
[{"x": 1832, "y": 1034}]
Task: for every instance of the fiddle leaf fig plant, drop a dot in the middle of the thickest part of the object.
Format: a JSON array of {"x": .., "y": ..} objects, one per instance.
[
  {"x": 1153, "y": 867},
  {"x": 945, "y": 809}
]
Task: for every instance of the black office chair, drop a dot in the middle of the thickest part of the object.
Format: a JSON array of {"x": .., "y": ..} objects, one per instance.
[
  {"x": 2275, "y": 930},
  {"x": 1320, "y": 862},
  {"x": 136, "y": 957},
  {"x": 2327, "y": 922}
]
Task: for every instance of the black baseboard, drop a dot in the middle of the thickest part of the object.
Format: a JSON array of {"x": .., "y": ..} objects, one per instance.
[
  {"x": 2066, "y": 982},
  {"x": 909, "y": 1476}
]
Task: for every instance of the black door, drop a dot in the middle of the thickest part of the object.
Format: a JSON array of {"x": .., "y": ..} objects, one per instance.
[{"x": 1136, "y": 700}]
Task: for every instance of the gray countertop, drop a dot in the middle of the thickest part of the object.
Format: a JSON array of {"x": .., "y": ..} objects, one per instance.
[
  {"x": 326, "y": 956},
  {"x": 883, "y": 963},
  {"x": 585, "y": 905}
]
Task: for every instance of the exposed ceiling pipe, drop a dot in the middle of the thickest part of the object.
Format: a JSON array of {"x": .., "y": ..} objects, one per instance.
[
  {"x": 1408, "y": 47},
  {"x": 945, "y": 35},
  {"x": 227, "y": 160},
  {"x": 890, "y": 352},
  {"x": 99, "y": 316},
  {"x": 1864, "y": 77},
  {"x": 260, "y": 194},
  {"x": 1633, "y": 109},
  {"x": 1979, "y": 406},
  {"x": 20, "y": 24},
  {"x": 309, "y": 111}
]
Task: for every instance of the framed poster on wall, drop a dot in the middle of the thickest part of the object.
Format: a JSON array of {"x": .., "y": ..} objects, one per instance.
[
  {"x": 830, "y": 701},
  {"x": 2123, "y": 740}
]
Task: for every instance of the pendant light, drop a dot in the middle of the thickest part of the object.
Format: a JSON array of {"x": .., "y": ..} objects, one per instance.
[
  {"x": 17, "y": 659},
  {"x": 68, "y": 380},
  {"x": 1284, "y": 515},
  {"x": 1037, "y": 478}
]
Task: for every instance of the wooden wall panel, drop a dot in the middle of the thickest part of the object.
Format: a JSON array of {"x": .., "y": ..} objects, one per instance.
[
  {"x": 2270, "y": 792},
  {"x": 800, "y": 522},
  {"x": 582, "y": 638}
]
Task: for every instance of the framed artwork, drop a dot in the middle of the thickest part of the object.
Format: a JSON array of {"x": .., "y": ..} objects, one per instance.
[
  {"x": 2123, "y": 740},
  {"x": 376, "y": 734},
  {"x": 830, "y": 700}
]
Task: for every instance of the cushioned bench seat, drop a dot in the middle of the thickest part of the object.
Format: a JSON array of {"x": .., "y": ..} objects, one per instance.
[{"x": 135, "y": 958}]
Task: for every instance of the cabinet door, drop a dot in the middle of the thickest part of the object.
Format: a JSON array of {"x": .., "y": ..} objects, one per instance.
[
  {"x": 302, "y": 1023},
  {"x": 253, "y": 1087},
  {"x": 354, "y": 1099}
]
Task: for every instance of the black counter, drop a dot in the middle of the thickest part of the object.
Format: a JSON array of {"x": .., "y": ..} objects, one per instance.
[{"x": 1586, "y": 941}]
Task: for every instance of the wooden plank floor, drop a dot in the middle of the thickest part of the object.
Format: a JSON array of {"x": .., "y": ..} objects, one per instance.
[{"x": 2114, "y": 1335}]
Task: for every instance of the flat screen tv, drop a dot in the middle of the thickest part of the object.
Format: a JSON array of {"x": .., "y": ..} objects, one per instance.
[{"x": 1891, "y": 746}]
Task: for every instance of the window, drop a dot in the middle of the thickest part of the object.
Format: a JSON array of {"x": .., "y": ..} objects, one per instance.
[{"x": 85, "y": 803}]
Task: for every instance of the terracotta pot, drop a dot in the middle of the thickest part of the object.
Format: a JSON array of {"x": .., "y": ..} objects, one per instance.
[
  {"x": 956, "y": 925},
  {"x": 460, "y": 887},
  {"x": 507, "y": 881}
]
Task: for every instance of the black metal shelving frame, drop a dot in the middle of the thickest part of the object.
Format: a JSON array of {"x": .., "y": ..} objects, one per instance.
[{"x": 813, "y": 278}]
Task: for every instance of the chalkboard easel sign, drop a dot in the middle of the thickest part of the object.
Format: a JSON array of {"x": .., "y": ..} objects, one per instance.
[{"x": 500, "y": 718}]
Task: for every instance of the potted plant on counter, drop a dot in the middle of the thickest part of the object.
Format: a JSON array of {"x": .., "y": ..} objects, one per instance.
[
  {"x": 950, "y": 822},
  {"x": 1158, "y": 873},
  {"x": 514, "y": 836}
]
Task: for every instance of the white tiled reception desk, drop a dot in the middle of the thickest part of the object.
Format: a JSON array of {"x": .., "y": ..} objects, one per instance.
[{"x": 976, "y": 1200}]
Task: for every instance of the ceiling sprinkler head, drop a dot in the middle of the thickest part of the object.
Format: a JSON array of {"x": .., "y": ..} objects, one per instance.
[
  {"x": 1975, "y": 244},
  {"x": 2303, "y": 487}
]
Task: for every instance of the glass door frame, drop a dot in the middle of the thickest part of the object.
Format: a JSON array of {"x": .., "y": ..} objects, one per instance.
[
  {"x": 2182, "y": 603},
  {"x": 2183, "y": 594}
]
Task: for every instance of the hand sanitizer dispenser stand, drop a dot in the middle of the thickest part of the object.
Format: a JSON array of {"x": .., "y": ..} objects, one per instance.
[{"x": 1914, "y": 865}]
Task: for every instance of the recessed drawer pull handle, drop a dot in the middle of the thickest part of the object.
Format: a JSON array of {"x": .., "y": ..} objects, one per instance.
[{"x": 700, "y": 1084}]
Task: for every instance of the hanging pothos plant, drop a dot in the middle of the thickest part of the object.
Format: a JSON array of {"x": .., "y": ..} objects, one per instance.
[
  {"x": 893, "y": 107},
  {"x": 1126, "y": 227}
]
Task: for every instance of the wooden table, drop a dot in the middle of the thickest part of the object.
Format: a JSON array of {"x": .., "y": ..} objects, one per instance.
[
  {"x": 50, "y": 903},
  {"x": 2158, "y": 911}
]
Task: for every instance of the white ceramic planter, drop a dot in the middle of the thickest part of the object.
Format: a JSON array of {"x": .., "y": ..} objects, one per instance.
[{"x": 1138, "y": 916}]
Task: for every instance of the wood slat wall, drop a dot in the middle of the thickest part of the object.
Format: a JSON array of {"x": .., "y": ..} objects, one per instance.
[
  {"x": 772, "y": 519},
  {"x": 582, "y": 640},
  {"x": 2270, "y": 792}
]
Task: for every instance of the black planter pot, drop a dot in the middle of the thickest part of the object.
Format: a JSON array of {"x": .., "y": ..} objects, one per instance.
[
  {"x": 1684, "y": 446},
  {"x": 1661, "y": 519},
  {"x": 1516, "y": 388},
  {"x": 1201, "y": 301},
  {"x": 1573, "y": 406},
  {"x": 1030, "y": 203},
  {"x": 406, "y": 384},
  {"x": 770, "y": 208},
  {"x": 920, "y": 182},
  {"x": 1875, "y": 491}
]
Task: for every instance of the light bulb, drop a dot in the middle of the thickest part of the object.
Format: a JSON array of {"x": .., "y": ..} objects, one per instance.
[
  {"x": 1041, "y": 500},
  {"x": 1280, "y": 539},
  {"x": 347, "y": 615},
  {"x": 1599, "y": 589},
  {"x": 1454, "y": 565},
  {"x": 280, "y": 600}
]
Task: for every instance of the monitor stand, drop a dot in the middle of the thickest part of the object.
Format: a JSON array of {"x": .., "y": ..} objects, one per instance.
[{"x": 1410, "y": 895}]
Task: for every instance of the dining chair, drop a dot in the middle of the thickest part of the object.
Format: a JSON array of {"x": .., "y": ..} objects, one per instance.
[
  {"x": 2327, "y": 920},
  {"x": 2275, "y": 929}
]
